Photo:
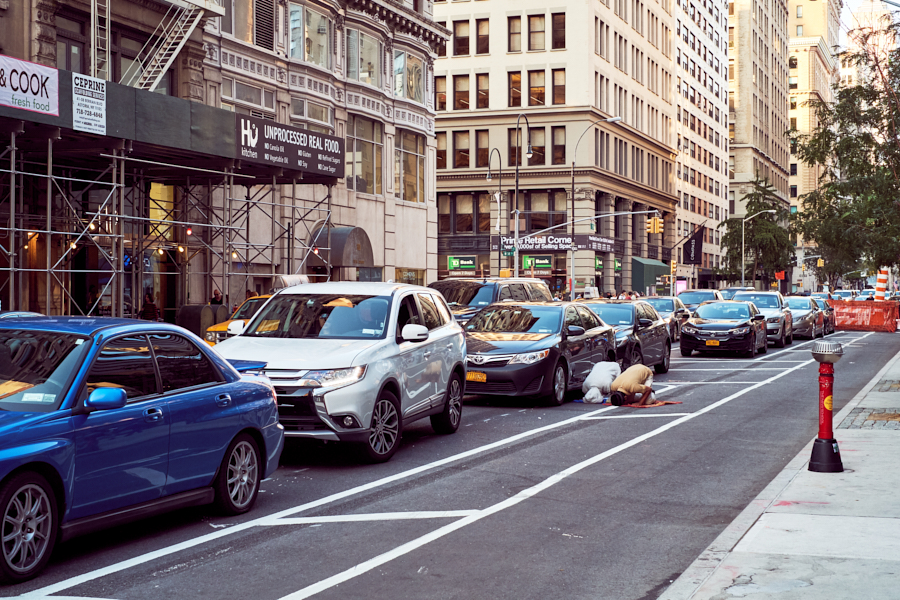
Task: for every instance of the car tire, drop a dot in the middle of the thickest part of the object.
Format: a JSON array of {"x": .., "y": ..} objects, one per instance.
[
  {"x": 663, "y": 367},
  {"x": 237, "y": 484},
  {"x": 780, "y": 342},
  {"x": 37, "y": 526},
  {"x": 686, "y": 351},
  {"x": 765, "y": 345},
  {"x": 386, "y": 430},
  {"x": 790, "y": 339},
  {"x": 447, "y": 421},
  {"x": 752, "y": 351},
  {"x": 559, "y": 385},
  {"x": 636, "y": 358}
]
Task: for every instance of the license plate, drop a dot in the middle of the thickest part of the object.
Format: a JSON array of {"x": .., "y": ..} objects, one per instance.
[
  {"x": 712, "y": 342},
  {"x": 476, "y": 376}
]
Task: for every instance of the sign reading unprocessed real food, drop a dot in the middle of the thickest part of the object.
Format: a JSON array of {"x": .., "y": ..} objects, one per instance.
[
  {"x": 270, "y": 143},
  {"x": 29, "y": 86},
  {"x": 88, "y": 104}
]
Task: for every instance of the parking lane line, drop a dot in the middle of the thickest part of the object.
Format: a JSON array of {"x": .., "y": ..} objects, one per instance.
[
  {"x": 726, "y": 382},
  {"x": 653, "y": 415},
  {"x": 363, "y": 517},
  {"x": 518, "y": 498}
]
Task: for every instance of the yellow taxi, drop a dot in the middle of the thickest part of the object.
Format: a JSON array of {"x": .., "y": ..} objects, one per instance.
[{"x": 245, "y": 311}]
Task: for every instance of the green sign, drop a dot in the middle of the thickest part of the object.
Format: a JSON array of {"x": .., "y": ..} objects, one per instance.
[
  {"x": 618, "y": 265},
  {"x": 455, "y": 263},
  {"x": 598, "y": 263},
  {"x": 537, "y": 262},
  {"x": 510, "y": 252}
]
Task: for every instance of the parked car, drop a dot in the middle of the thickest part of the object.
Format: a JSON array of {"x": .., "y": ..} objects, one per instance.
[
  {"x": 693, "y": 298},
  {"x": 673, "y": 311},
  {"x": 219, "y": 332},
  {"x": 829, "y": 317},
  {"x": 467, "y": 296},
  {"x": 729, "y": 292},
  {"x": 809, "y": 319},
  {"x": 642, "y": 336},
  {"x": 844, "y": 294},
  {"x": 823, "y": 298},
  {"x": 779, "y": 320},
  {"x": 107, "y": 420},
  {"x": 357, "y": 362},
  {"x": 534, "y": 348},
  {"x": 725, "y": 325}
]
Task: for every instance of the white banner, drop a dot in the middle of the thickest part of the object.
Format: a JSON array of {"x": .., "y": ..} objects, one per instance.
[
  {"x": 29, "y": 86},
  {"x": 88, "y": 104}
]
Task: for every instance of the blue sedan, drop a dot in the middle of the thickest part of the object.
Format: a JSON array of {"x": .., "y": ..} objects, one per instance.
[{"x": 103, "y": 421}]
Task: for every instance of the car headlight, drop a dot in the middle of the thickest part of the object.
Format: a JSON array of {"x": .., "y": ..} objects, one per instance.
[
  {"x": 333, "y": 378},
  {"x": 689, "y": 329},
  {"x": 739, "y": 331},
  {"x": 774, "y": 319},
  {"x": 211, "y": 336},
  {"x": 529, "y": 358}
]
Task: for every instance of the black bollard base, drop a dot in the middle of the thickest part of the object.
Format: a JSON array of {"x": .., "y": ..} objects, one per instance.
[{"x": 826, "y": 457}]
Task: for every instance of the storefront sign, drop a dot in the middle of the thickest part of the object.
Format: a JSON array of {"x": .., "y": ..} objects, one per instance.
[
  {"x": 598, "y": 263},
  {"x": 544, "y": 243},
  {"x": 29, "y": 86},
  {"x": 271, "y": 143},
  {"x": 597, "y": 243},
  {"x": 462, "y": 262},
  {"x": 618, "y": 268},
  {"x": 537, "y": 262},
  {"x": 88, "y": 104}
]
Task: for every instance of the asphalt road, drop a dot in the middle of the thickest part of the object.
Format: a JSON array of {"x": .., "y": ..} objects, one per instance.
[{"x": 577, "y": 501}]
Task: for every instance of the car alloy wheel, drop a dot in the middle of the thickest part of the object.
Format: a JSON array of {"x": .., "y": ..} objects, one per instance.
[
  {"x": 448, "y": 420},
  {"x": 560, "y": 384},
  {"x": 237, "y": 484},
  {"x": 663, "y": 367},
  {"x": 385, "y": 433},
  {"x": 28, "y": 527}
]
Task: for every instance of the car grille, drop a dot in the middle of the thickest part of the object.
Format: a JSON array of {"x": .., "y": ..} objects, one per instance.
[
  {"x": 534, "y": 387},
  {"x": 501, "y": 387},
  {"x": 296, "y": 410},
  {"x": 489, "y": 360}
]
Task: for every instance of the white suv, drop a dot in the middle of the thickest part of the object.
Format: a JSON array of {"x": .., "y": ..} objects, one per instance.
[{"x": 356, "y": 362}]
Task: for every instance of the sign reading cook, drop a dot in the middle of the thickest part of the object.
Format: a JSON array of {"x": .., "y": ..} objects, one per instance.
[
  {"x": 271, "y": 143},
  {"x": 29, "y": 86}
]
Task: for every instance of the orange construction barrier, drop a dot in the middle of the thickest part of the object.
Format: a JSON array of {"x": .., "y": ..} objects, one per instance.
[{"x": 865, "y": 315}]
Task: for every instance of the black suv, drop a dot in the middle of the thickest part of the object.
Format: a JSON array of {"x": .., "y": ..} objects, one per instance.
[{"x": 467, "y": 296}]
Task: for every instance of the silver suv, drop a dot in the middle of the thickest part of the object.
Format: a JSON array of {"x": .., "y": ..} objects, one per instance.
[
  {"x": 356, "y": 362},
  {"x": 779, "y": 320}
]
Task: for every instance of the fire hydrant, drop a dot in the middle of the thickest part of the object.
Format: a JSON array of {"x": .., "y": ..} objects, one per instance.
[{"x": 826, "y": 456}]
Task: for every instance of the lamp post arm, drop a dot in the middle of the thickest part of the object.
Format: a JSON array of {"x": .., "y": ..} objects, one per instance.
[{"x": 616, "y": 214}]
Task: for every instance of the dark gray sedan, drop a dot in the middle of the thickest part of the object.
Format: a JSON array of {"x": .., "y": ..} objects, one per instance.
[
  {"x": 779, "y": 320},
  {"x": 809, "y": 318}
]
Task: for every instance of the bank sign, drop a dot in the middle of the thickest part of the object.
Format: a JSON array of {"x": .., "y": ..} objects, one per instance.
[
  {"x": 455, "y": 263},
  {"x": 29, "y": 86},
  {"x": 270, "y": 143}
]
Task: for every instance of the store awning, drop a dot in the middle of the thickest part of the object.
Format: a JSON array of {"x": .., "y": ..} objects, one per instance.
[
  {"x": 644, "y": 272},
  {"x": 350, "y": 247}
]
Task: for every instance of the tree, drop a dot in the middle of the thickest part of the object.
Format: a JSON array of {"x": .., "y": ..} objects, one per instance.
[{"x": 766, "y": 239}]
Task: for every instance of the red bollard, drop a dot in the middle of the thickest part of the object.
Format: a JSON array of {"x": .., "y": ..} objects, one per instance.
[
  {"x": 826, "y": 456},
  {"x": 826, "y": 389}
]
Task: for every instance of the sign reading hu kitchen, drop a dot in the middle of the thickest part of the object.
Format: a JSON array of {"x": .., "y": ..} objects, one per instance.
[{"x": 271, "y": 143}]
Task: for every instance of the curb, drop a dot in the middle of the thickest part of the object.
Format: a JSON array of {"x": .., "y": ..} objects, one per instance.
[{"x": 699, "y": 571}]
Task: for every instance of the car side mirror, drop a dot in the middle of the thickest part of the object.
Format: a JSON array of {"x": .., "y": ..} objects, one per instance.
[
  {"x": 759, "y": 317},
  {"x": 574, "y": 330},
  {"x": 237, "y": 327},
  {"x": 106, "y": 398},
  {"x": 645, "y": 323},
  {"x": 414, "y": 333}
]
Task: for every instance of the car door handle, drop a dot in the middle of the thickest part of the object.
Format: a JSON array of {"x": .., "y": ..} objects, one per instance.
[
  {"x": 223, "y": 400},
  {"x": 427, "y": 354},
  {"x": 450, "y": 346},
  {"x": 153, "y": 414}
]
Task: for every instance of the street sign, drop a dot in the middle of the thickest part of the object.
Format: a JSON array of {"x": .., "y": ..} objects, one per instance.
[{"x": 508, "y": 252}]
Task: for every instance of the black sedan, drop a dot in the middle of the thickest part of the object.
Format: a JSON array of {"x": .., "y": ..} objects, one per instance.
[
  {"x": 673, "y": 311},
  {"x": 727, "y": 326},
  {"x": 642, "y": 336},
  {"x": 534, "y": 349}
]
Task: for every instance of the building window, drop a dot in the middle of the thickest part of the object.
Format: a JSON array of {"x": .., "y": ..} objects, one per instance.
[
  {"x": 440, "y": 93},
  {"x": 799, "y": 30},
  {"x": 792, "y": 62},
  {"x": 515, "y": 88},
  {"x": 409, "y": 166},
  {"x": 482, "y": 92},
  {"x": 248, "y": 95},
  {"x": 482, "y": 148},
  {"x": 408, "y": 76},
  {"x": 442, "y": 49},
  {"x": 535, "y": 88},
  {"x": 364, "y": 148},
  {"x": 538, "y": 147},
  {"x": 444, "y": 213},
  {"x": 441, "y": 140},
  {"x": 460, "y": 92},
  {"x": 792, "y": 83},
  {"x": 465, "y": 213},
  {"x": 70, "y": 45},
  {"x": 515, "y": 148},
  {"x": 558, "y": 22},
  {"x": 793, "y": 168},
  {"x": 460, "y": 149},
  {"x": 515, "y": 34},
  {"x": 793, "y": 102},
  {"x": 460, "y": 38},
  {"x": 250, "y": 21},
  {"x": 793, "y": 122},
  {"x": 310, "y": 35},
  {"x": 363, "y": 58},
  {"x": 482, "y": 42},
  {"x": 799, "y": 11},
  {"x": 559, "y": 86},
  {"x": 559, "y": 145},
  {"x": 793, "y": 191},
  {"x": 303, "y": 111},
  {"x": 536, "y": 32},
  {"x": 484, "y": 213}
]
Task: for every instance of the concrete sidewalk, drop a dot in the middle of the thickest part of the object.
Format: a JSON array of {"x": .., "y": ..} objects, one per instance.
[{"x": 818, "y": 535}]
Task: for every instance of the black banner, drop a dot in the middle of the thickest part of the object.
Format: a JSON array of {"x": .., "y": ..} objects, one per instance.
[
  {"x": 271, "y": 143},
  {"x": 693, "y": 249}
]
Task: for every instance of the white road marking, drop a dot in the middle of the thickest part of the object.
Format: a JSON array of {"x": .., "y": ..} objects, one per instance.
[
  {"x": 391, "y": 516},
  {"x": 727, "y": 382},
  {"x": 637, "y": 416},
  {"x": 727, "y": 368},
  {"x": 518, "y": 498}
]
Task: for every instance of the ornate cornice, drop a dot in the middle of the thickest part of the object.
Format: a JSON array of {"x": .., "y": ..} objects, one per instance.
[{"x": 400, "y": 19}]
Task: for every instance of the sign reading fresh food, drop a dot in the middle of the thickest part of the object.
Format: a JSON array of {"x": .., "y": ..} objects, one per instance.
[
  {"x": 271, "y": 143},
  {"x": 29, "y": 86}
]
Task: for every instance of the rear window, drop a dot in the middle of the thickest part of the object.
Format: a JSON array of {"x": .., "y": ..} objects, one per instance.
[
  {"x": 696, "y": 297},
  {"x": 723, "y": 310},
  {"x": 540, "y": 292},
  {"x": 614, "y": 314},
  {"x": 798, "y": 303},
  {"x": 760, "y": 300},
  {"x": 465, "y": 293},
  {"x": 662, "y": 304}
]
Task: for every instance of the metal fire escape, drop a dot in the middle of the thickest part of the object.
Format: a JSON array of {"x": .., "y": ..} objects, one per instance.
[{"x": 99, "y": 38}]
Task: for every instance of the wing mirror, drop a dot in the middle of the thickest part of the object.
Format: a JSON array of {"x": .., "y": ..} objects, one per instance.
[
  {"x": 414, "y": 333},
  {"x": 106, "y": 398},
  {"x": 759, "y": 317},
  {"x": 644, "y": 323},
  {"x": 237, "y": 327},
  {"x": 574, "y": 330}
]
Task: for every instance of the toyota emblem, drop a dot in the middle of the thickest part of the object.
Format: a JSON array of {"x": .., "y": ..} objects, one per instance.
[{"x": 478, "y": 360}]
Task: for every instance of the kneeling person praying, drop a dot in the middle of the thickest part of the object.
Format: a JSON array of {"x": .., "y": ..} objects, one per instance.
[{"x": 633, "y": 386}]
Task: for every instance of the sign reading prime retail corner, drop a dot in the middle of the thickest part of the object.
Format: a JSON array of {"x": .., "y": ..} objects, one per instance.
[
  {"x": 543, "y": 243},
  {"x": 29, "y": 86},
  {"x": 271, "y": 143},
  {"x": 88, "y": 104}
]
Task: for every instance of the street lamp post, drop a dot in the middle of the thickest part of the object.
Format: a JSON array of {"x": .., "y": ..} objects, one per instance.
[
  {"x": 743, "y": 255},
  {"x": 528, "y": 154},
  {"x": 499, "y": 200},
  {"x": 574, "y": 155}
]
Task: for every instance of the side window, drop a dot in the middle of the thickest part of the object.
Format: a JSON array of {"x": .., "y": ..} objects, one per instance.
[
  {"x": 505, "y": 293},
  {"x": 539, "y": 292},
  {"x": 125, "y": 363},
  {"x": 572, "y": 317},
  {"x": 518, "y": 292},
  {"x": 446, "y": 317},
  {"x": 589, "y": 319},
  {"x": 407, "y": 315},
  {"x": 650, "y": 312},
  {"x": 181, "y": 363},
  {"x": 429, "y": 311}
]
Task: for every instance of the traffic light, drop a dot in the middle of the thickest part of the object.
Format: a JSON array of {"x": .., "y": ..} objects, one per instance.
[
  {"x": 794, "y": 260},
  {"x": 651, "y": 224},
  {"x": 820, "y": 262},
  {"x": 674, "y": 266},
  {"x": 803, "y": 267},
  {"x": 658, "y": 225}
]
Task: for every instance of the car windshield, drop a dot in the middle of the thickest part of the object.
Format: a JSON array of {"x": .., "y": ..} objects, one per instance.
[
  {"x": 35, "y": 367},
  {"x": 614, "y": 314},
  {"x": 696, "y": 297},
  {"x": 465, "y": 293},
  {"x": 322, "y": 316},
  {"x": 723, "y": 310},
  {"x": 662, "y": 304},
  {"x": 516, "y": 319},
  {"x": 248, "y": 308},
  {"x": 726, "y": 293},
  {"x": 798, "y": 303},
  {"x": 760, "y": 300}
]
